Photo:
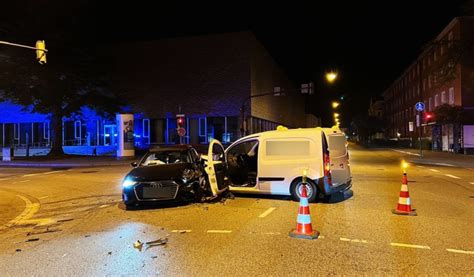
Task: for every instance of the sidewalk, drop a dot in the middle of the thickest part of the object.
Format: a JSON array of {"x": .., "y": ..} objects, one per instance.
[
  {"x": 437, "y": 158},
  {"x": 69, "y": 161}
]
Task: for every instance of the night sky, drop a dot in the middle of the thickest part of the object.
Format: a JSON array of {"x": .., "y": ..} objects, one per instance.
[{"x": 368, "y": 42}]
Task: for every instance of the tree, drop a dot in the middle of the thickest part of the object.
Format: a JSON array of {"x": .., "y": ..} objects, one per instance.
[
  {"x": 75, "y": 76},
  {"x": 448, "y": 114}
]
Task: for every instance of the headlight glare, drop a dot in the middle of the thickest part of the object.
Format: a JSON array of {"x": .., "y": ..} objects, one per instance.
[{"x": 127, "y": 183}]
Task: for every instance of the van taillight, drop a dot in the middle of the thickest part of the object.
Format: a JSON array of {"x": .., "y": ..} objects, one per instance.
[{"x": 327, "y": 168}]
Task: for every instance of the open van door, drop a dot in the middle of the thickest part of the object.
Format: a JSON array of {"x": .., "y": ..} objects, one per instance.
[{"x": 216, "y": 167}]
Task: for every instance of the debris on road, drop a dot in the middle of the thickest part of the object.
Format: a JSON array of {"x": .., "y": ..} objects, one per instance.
[
  {"x": 65, "y": 220},
  {"x": 31, "y": 240},
  {"x": 154, "y": 257},
  {"x": 138, "y": 245},
  {"x": 109, "y": 253},
  {"x": 18, "y": 250},
  {"x": 161, "y": 241},
  {"x": 86, "y": 236},
  {"x": 43, "y": 232}
]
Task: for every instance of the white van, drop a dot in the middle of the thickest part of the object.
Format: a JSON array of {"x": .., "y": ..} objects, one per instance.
[{"x": 273, "y": 162}]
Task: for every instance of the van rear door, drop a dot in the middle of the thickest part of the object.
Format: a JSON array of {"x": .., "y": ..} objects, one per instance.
[{"x": 339, "y": 155}]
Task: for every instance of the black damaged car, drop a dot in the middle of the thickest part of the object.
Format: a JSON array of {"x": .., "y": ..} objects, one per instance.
[{"x": 170, "y": 173}]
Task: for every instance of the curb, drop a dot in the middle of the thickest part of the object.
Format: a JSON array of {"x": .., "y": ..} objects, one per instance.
[{"x": 59, "y": 165}]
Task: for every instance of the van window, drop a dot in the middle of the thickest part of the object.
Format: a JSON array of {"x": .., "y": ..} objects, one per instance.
[
  {"x": 337, "y": 145},
  {"x": 287, "y": 148}
]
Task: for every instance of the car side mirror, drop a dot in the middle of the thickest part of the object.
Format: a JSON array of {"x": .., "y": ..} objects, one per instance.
[{"x": 134, "y": 164}]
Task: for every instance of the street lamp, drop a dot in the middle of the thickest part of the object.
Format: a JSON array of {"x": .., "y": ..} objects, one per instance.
[
  {"x": 335, "y": 104},
  {"x": 331, "y": 77}
]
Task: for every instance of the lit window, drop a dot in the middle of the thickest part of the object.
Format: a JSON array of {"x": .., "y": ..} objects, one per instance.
[
  {"x": 451, "y": 95},
  {"x": 430, "y": 104},
  {"x": 443, "y": 97},
  {"x": 77, "y": 129},
  {"x": 436, "y": 100}
]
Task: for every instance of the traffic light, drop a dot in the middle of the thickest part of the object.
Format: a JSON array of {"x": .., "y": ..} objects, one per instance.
[
  {"x": 41, "y": 51},
  {"x": 428, "y": 117},
  {"x": 180, "y": 121}
]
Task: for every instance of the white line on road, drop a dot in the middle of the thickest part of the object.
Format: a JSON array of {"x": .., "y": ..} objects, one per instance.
[
  {"x": 181, "y": 231},
  {"x": 267, "y": 212},
  {"x": 354, "y": 240},
  {"x": 452, "y": 176},
  {"x": 420, "y": 166},
  {"x": 409, "y": 245},
  {"x": 472, "y": 183},
  {"x": 460, "y": 251},
  {"x": 4, "y": 179},
  {"x": 34, "y": 174},
  {"x": 24, "y": 181},
  {"x": 434, "y": 170},
  {"x": 219, "y": 231},
  {"x": 444, "y": 164},
  {"x": 43, "y": 197},
  {"x": 52, "y": 172}
]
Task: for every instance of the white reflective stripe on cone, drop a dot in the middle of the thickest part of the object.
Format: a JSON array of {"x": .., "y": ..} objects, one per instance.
[
  {"x": 404, "y": 188},
  {"x": 304, "y": 219},
  {"x": 404, "y": 201},
  {"x": 304, "y": 202}
]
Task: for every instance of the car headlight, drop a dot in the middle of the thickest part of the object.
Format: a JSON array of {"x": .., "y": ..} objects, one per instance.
[{"x": 127, "y": 183}]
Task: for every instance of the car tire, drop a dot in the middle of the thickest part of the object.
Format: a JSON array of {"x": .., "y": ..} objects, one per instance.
[{"x": 312, "y": 190}]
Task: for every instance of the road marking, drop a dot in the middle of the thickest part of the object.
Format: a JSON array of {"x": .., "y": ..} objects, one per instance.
[
  {"x": 4, "y": 179},
  {"x": 460, "y": 251},
  {"x": 420, "y": 166},
  {"x": 219, "y": 231},
  {"x": 272, "y": 233},
  {"x": 434, "y": 170},
  {"x": 452, "y": 176},
  {"x": 24, "y": 181},
  {"x": 267, "y": 212},
  {"x": 409, "y": 245},
  {"x": 52, "y": 172},
  {"x": 33, "y": 174},
  {"x": 43, "y": 197},
  {"x": 30, "y": 209},
  {"x": 181, "y": 231},
  {"x": 103, "y": 206},
  {"x": 444, "y": 164},
  {"x": 354, "y": 240},
  {"x": 472, "y": 183}
]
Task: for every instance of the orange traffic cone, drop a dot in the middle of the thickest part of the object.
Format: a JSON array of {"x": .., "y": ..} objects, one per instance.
[
  {"x": 304, "y": 229},
  {"x": 404, "y": 202}
]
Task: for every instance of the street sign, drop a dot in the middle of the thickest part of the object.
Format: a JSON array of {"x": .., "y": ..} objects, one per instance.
[
  {"x": 181, "y": 132},
  {"x": 410, "y": 126},
  {"x": 420, "y": 106}
]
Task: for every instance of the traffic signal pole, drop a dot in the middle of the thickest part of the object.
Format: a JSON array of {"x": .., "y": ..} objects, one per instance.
[{"x": 40, "y": 49}]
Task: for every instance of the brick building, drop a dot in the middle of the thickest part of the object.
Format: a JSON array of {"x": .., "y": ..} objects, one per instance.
[
  {"x": 426, "y": 80},
  {"x": 206, "y": 78}
]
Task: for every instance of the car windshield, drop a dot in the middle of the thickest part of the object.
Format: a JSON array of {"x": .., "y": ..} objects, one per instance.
[{"x": 166, "y": 157}]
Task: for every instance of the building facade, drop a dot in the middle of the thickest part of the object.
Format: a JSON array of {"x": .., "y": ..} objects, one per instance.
[
  {"x": 205, "y": 78},
  {"x": 426, "y": 80}
]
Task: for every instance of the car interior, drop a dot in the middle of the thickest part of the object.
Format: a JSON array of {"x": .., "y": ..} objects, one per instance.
[
  {"x": 166, "y": 157},
  {"x": 243, "y": 164}
]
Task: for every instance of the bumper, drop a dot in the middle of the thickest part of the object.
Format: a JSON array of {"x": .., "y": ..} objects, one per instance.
[
  {"x": 328, "y": 189},
  {"x": 134, "y": 195}
]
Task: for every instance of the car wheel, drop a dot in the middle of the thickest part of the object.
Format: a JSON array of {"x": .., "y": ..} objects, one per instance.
[{"x": 296, "y": 188}]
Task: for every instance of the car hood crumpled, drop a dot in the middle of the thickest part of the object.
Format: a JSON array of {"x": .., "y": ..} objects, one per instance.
[{"x": 159, "y": 172}]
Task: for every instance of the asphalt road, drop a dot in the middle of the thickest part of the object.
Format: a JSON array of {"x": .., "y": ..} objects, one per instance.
[{"x": 71, "y": 222}]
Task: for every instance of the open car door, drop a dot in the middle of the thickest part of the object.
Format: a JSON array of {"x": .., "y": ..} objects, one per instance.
[{"x": 216, "y": 167}]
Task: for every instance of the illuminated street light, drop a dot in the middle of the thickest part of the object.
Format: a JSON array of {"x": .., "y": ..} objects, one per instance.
[
  {"x": 331, "y": 76},
  {"x": 336, "y": 115},
  {"x": 335, "y": 104}
]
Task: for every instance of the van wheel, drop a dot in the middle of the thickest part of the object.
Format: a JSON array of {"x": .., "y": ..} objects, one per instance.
[{"x": 296, "y": 188}]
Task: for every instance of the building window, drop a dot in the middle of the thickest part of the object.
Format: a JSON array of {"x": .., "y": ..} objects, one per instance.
[
  {"x": 429, "y": 81},
  {"x": 418, "y": 89},
  {"x": 424, "y": 84},
  {"x": 430, "y": 104},
  {"x": 16, "y": 131},
  {"x": 451, "y": 95},
  {"x": 77, "y": 129},
  {"x": 443, "y": 97},
  {"x": 45, "y": 130},
  {"x": 146, "y": 128},
  {"x": 436, "y": 100},
  {"x": 434, "y": 55},
  {"x": 450, "y": 38},
  {"x": 203, "y": 129}
]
